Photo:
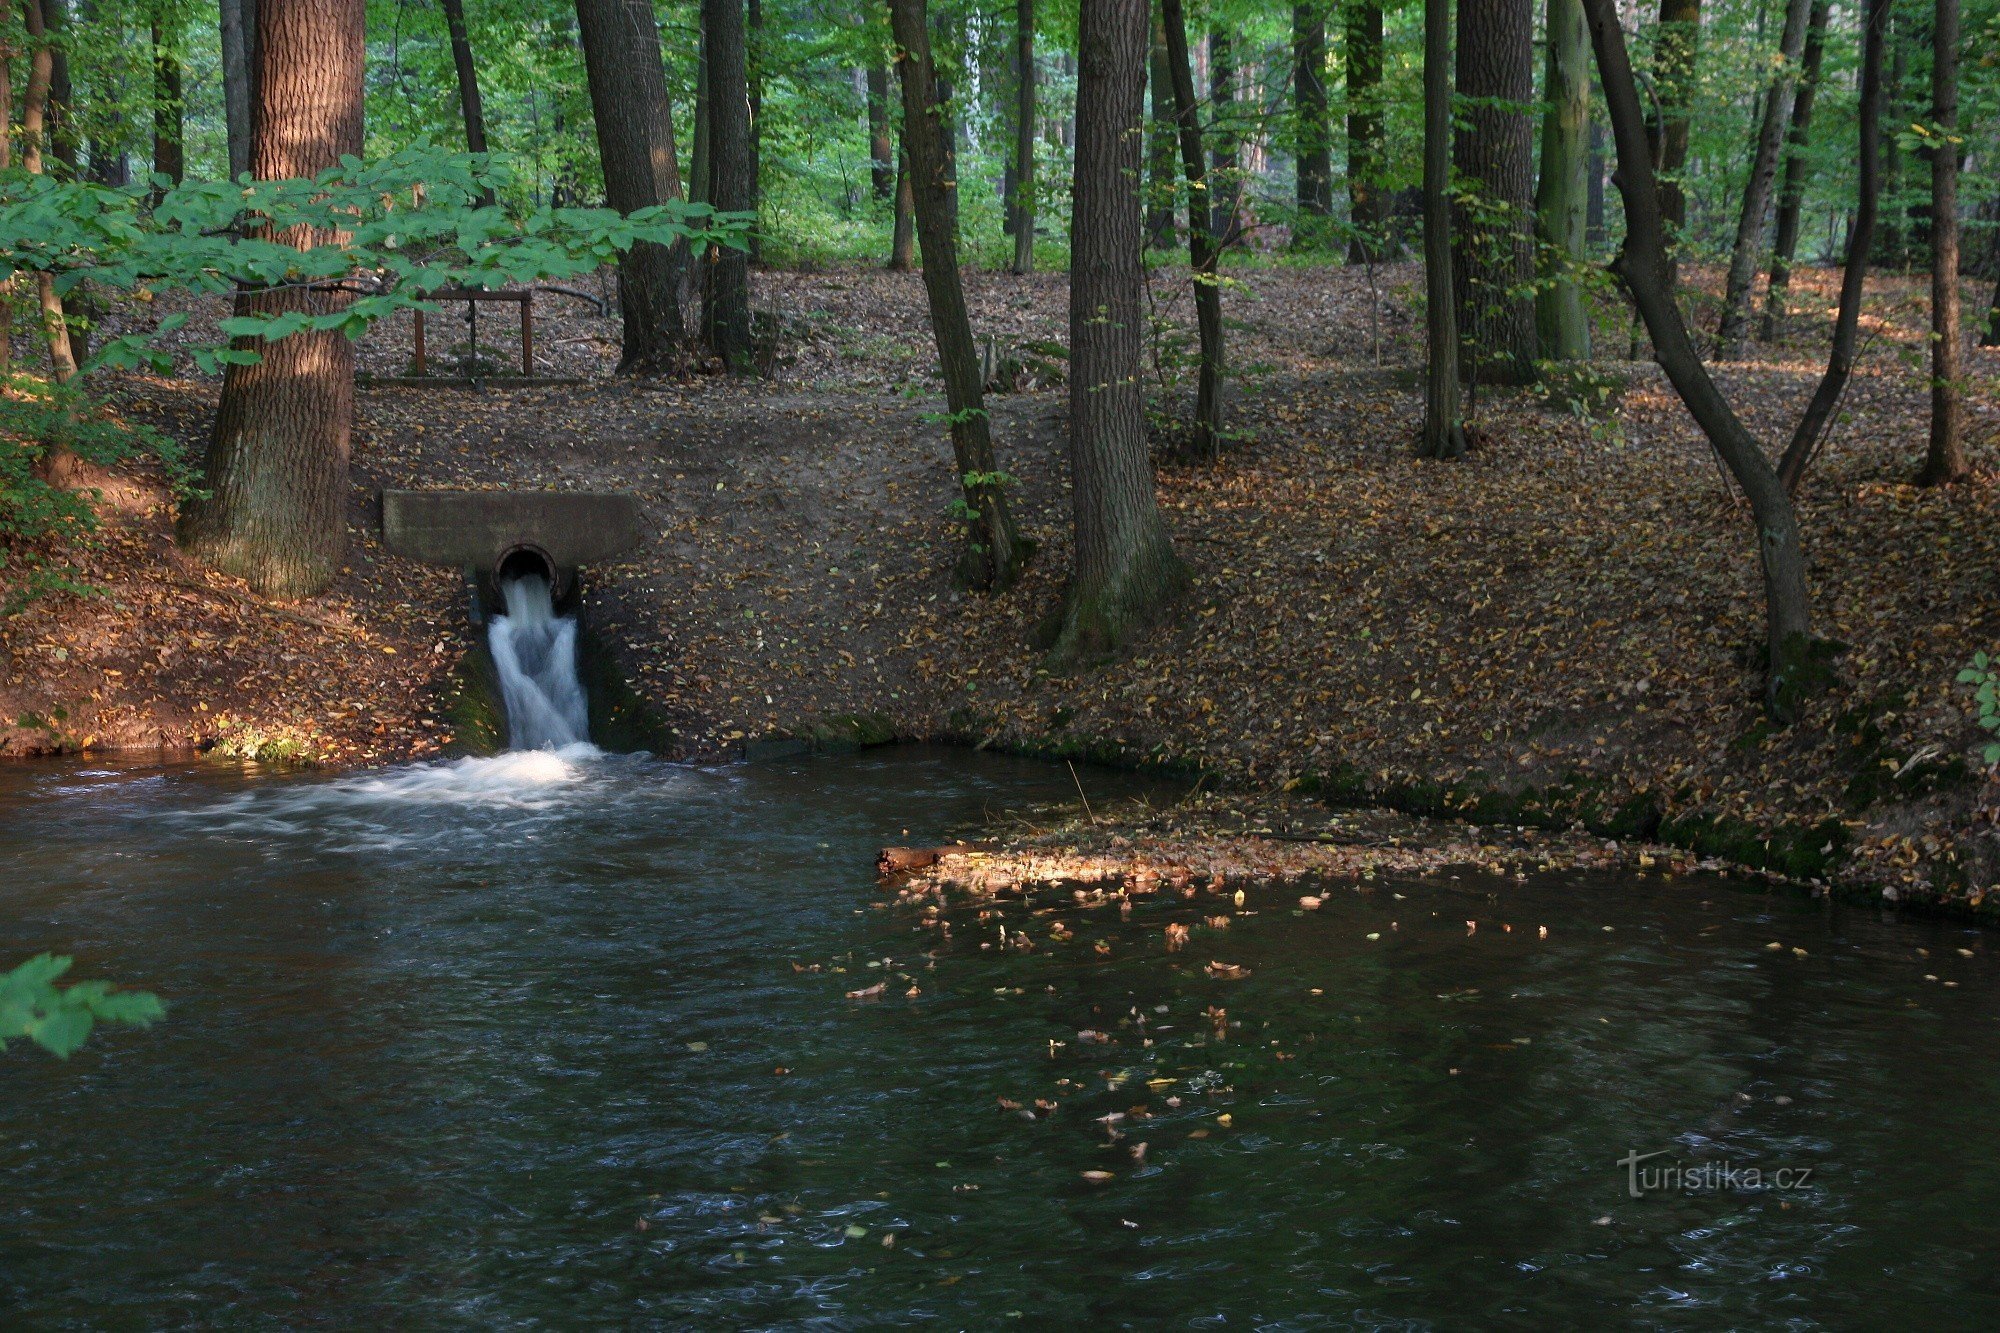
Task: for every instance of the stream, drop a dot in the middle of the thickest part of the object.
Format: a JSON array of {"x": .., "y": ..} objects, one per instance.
[{"x": 564, "y": 1039}]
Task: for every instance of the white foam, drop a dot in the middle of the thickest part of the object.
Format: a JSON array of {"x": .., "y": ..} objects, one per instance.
[{"x": 534, "y": 651}]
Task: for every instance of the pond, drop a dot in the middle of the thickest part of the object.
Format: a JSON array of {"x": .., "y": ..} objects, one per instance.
[{"x": 566, "y": 1040}]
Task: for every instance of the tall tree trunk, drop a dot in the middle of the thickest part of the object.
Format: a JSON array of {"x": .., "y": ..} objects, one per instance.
[
  {"x": 754, "y": 73},
  {"x": 35, "y": 129},
  {"x": 1444, "y": 430},
  {"x": 239, "y": 44},
  {"x": 1024, "y": 136},
  {"x": 726, "y": 309},
  {"x": 1204, "y": 248},
  {"x": 903, "y": 235},
  {"x": 994, "y": 553},
  {"x": 1676, "y": 45},
  {"x": 1493, "y": 241},
  {"x": 1162, "y": 166},
  {"x": 1892, "y": 242},
  {"x": 1792, "y": 189},
  {"x": 169, "y": 156},
  {"x": 1945, "y": 460},
  {"x": 6, "y": 161},
  {"x": 1645, "y": 267},
  {"x": 701, "y": 152},
  {"x": 1562, "y": 192},
  {"x": 1225, "y": 154},
  {"x": 469, "y": 105},
  {"x": 1310, "y": 130},
  {"x": 276, "y": 469},
  {"x": 1813, "y": 422},
  {"x": 62, "y": 94},
  {"x": 1733, "y": 330},
  {"x": 635, "y": 142},
  {"x": 881, "y": 147},
  {"x": 1126, "y": 572},
  {"x": 1367, "y": 151}
]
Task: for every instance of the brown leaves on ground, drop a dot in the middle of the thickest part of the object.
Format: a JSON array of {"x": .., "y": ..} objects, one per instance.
[{"x": 1563, "y": 605}]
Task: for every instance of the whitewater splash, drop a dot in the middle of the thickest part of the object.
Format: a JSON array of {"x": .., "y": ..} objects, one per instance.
[{"x": 534, "y": 651}]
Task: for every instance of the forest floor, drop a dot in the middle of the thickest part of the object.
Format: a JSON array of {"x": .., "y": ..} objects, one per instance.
[{"x": 1561, "y": 628}]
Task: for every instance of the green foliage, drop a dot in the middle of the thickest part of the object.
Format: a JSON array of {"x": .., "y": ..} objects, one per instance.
[
  {"x": 1985, "y": 679},
  {"x": 59, "y": 1018}
]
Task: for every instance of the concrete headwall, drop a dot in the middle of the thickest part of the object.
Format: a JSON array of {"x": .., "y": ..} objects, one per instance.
[{"x": 473, "y": 529}]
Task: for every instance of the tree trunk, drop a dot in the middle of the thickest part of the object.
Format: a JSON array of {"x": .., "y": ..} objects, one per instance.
[
  {"x": 239, "y": 44},
  {"x": 1225, "y": 154},
  {"x": 726, "y": 308},
  {"x": 903, "y": 237},
  {"x": 1676, "y": 44},
  {"x": 1562, "y": 192},
  {"x": 1126, "y": 572},
  {"x": 1162, "y": 166},
  {"x": 1444, "y": 431},
  {"x": 1366, "y": 147},
  {"x": 169, "y": 156},
  {"x": 1945, "y": 460},
  {"x": 701, "y": 152},
  {"x": 468, "y": 82},
  {"x": 1792, "y": 192},
  {"x": 1733, "y": 330},
  {"x": 1204, "y": 249},
  {"x": 753, "y": 54},
  {"x": 61, "y": 115},
  {"x": 881, "y": 148},
  {"x": 1024, "y": 137},
  {"x": 276, "y": 468},
  {"x": 994, "y": 553},
  {"x": 635, "y": 142},
  {"x": 1806, "y": 436},
  {"x": 1311, "y": 133},
  {"x": 1645, "y": 267},
  {"x": 35, "y": 127},
  {"x": 1892, "y": 246},
  {"x": 1595, "y": 232},
  {"x": 1493, "y": 246},
  {"x": 6, "y": 161}
]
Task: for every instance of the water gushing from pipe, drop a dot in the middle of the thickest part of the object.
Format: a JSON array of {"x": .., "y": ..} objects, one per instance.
[{"x": 534, "y": 650}]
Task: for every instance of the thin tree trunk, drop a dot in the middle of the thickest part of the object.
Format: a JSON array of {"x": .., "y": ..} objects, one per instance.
[
  {"x": 1225, "y": 154},
  {"x": 1126, "y": 573},
  {"x": 1892, "y": 247},
  {"x": 1945, "y": 460},
  {"x": 881, "y": 147},
  {"x": 754, "y": 73},
  {"x": 1792, "y": 191},
  {"x": 469, "y": 105},
  {"x": 1024, "y": 136},
  {"x": 903, "y": 236},
  {"x": 1733, "y": 330},
  {"x": 1444, "y": 430},
  {"x": 1645, "y": 267},
  {"x": 994, "y": 553},
  {"x": 1562, "y": 312},
  {"x": 1676, "y": 45},
  {"x": 35, "y": 128},
  {"x": 1366, "y": 147},
  {"x": 169, "y": 156},
  {"x": 275, "y": 473},
  {"x": 239, "y": 41},
  {"x": 726, "y": 309},
  {"x": 62, "y": 94},
  {"x": 1310, "y": 130},
  {"x": 635, "y": 142},
  {"x": 1204, "y": 249},
  {"x": 1493, "y": 245},
  {"x": 1162, "y": 163},
  {"x": 1813, "y": 422}
]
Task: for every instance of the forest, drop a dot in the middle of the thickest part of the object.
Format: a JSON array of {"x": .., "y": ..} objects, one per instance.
[{"x": 1464, "y": 311}]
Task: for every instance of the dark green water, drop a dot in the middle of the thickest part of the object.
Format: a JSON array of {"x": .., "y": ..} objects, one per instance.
[{"x": 497, "y": 1047}]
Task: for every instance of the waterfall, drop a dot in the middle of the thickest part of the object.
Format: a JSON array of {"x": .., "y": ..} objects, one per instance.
[{"x": 535, "y": 651}]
